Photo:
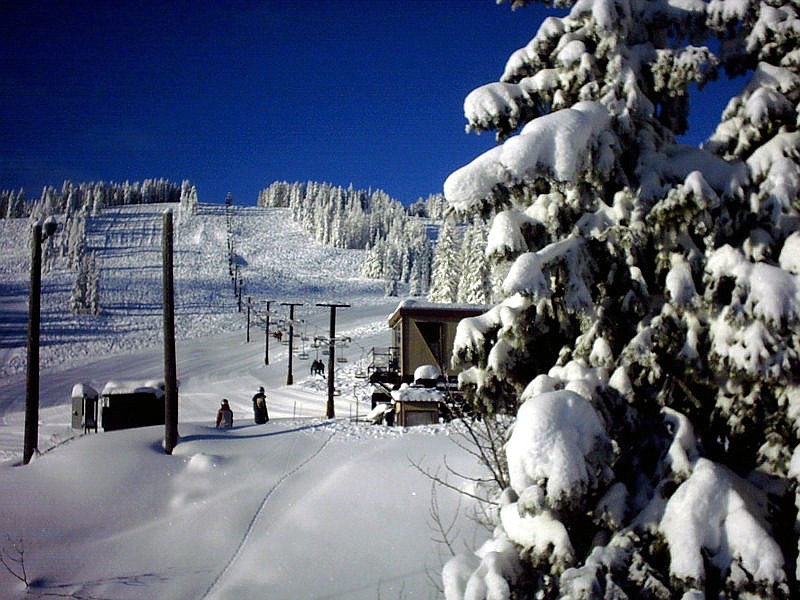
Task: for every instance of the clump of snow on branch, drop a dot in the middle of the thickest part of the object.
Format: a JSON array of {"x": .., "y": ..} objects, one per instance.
[
  {"x": 484, "y": 575},
  {"x": 716, "y": 512},
  {"x": 558, "y": 444},
  {"x": 764, "y": 301},
  {"x": 562, "y": 145}
]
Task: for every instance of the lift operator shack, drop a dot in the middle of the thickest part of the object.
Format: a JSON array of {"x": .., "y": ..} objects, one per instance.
[
  {"x": 424, "y": 332},
  {"x": 402, "y": 375}
]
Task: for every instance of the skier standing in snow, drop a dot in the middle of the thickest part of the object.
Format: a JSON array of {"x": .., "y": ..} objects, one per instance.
[
  {"x": 260, "y": 406},
  {"x": 224, "y": 415}
]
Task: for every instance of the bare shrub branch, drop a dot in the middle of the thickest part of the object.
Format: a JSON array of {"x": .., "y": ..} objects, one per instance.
[{"x": 15, "y": 563}]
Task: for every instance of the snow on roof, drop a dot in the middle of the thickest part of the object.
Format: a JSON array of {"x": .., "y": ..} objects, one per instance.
[
  {"x": 421, "y": 306},
  {"x": 408, "y": 393},
  {"x": 79, "y": 390},
  {"x": 133, "y": 387}
]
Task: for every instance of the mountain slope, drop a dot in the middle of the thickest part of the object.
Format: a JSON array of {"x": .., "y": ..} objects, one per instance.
[{"x": 301, "y": 507}]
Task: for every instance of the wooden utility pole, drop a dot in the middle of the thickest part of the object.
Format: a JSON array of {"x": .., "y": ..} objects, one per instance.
[
  {"x": 329, "y": 410},
  {"x": 31, "y": 437},
  {"x": 266, "y": 334},
  {"x": 249, "y": 302},
  {"x": 170, "y": 369},
  {"x": 291, "y": 305}
]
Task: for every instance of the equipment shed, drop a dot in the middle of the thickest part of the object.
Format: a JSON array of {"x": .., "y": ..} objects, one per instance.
[{"x": 424, "y": 333}]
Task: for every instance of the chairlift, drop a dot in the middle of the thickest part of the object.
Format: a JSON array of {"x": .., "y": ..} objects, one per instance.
[
  {"x": 341, "y": 359},
  {"x": 360, "y": 372}
]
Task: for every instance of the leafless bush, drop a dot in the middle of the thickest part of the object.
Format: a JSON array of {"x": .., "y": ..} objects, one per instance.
[{"x": 14, "y": 560}]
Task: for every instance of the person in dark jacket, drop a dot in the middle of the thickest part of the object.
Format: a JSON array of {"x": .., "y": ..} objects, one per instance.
[
  {"x": 224, "y": 414},
  {"x": 260, "y": 406}
]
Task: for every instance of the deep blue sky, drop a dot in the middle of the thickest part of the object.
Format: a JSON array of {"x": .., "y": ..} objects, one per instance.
[{"x": 236, "y": 95}]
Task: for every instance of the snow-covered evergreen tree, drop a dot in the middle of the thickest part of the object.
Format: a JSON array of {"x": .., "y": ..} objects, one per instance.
[
  {"x": 73, "y": 240},
  {"x": 85, "y": 298},
  {"x": 12, "y": 204},
  {"x": 420, "y": 279},
  {"x": 188, "y": 200},
  {"x": 350, "y": 218},
  {"x": 446, "y": 268},
  {"x": 340, "y": 217},
  {"x": 474, "y": 286},
  {"x": 433, "y": 207},
  {"x": 646, "y": 339}
]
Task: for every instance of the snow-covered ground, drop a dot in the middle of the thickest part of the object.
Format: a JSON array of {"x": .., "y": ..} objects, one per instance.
[{"x": 301, "y": 507}]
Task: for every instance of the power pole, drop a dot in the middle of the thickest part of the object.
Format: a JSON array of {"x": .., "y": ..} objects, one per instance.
[
  {"x": 291, "y": 305},
  {"x": 329, "y": 411},
  {"x": 266, "y": 334},
  {"x": 170, "y": 374},
  {"x": 248, "y": 318},
  {"x": 31, "y": 439}
]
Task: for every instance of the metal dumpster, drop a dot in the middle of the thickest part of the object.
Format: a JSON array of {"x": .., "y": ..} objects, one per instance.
[{"x": 127, "y": 404}]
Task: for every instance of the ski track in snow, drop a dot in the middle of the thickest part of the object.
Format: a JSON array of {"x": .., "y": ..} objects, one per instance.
[
  {"x": 260, "y": 511},
  {"x": 104, "y": 525}
]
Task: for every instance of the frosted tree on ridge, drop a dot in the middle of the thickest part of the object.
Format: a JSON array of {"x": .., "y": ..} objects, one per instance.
[
  {"x": 474, "y": 286},
  {"x": 646, "y": 338},
  {"x": 446, "y": 267}
]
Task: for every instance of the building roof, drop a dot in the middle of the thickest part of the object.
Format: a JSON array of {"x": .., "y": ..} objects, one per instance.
[
  {"x": 441, "y": 311},
  {"x": 79, "y": 390},
  {"x": 134, "y": 387}
]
